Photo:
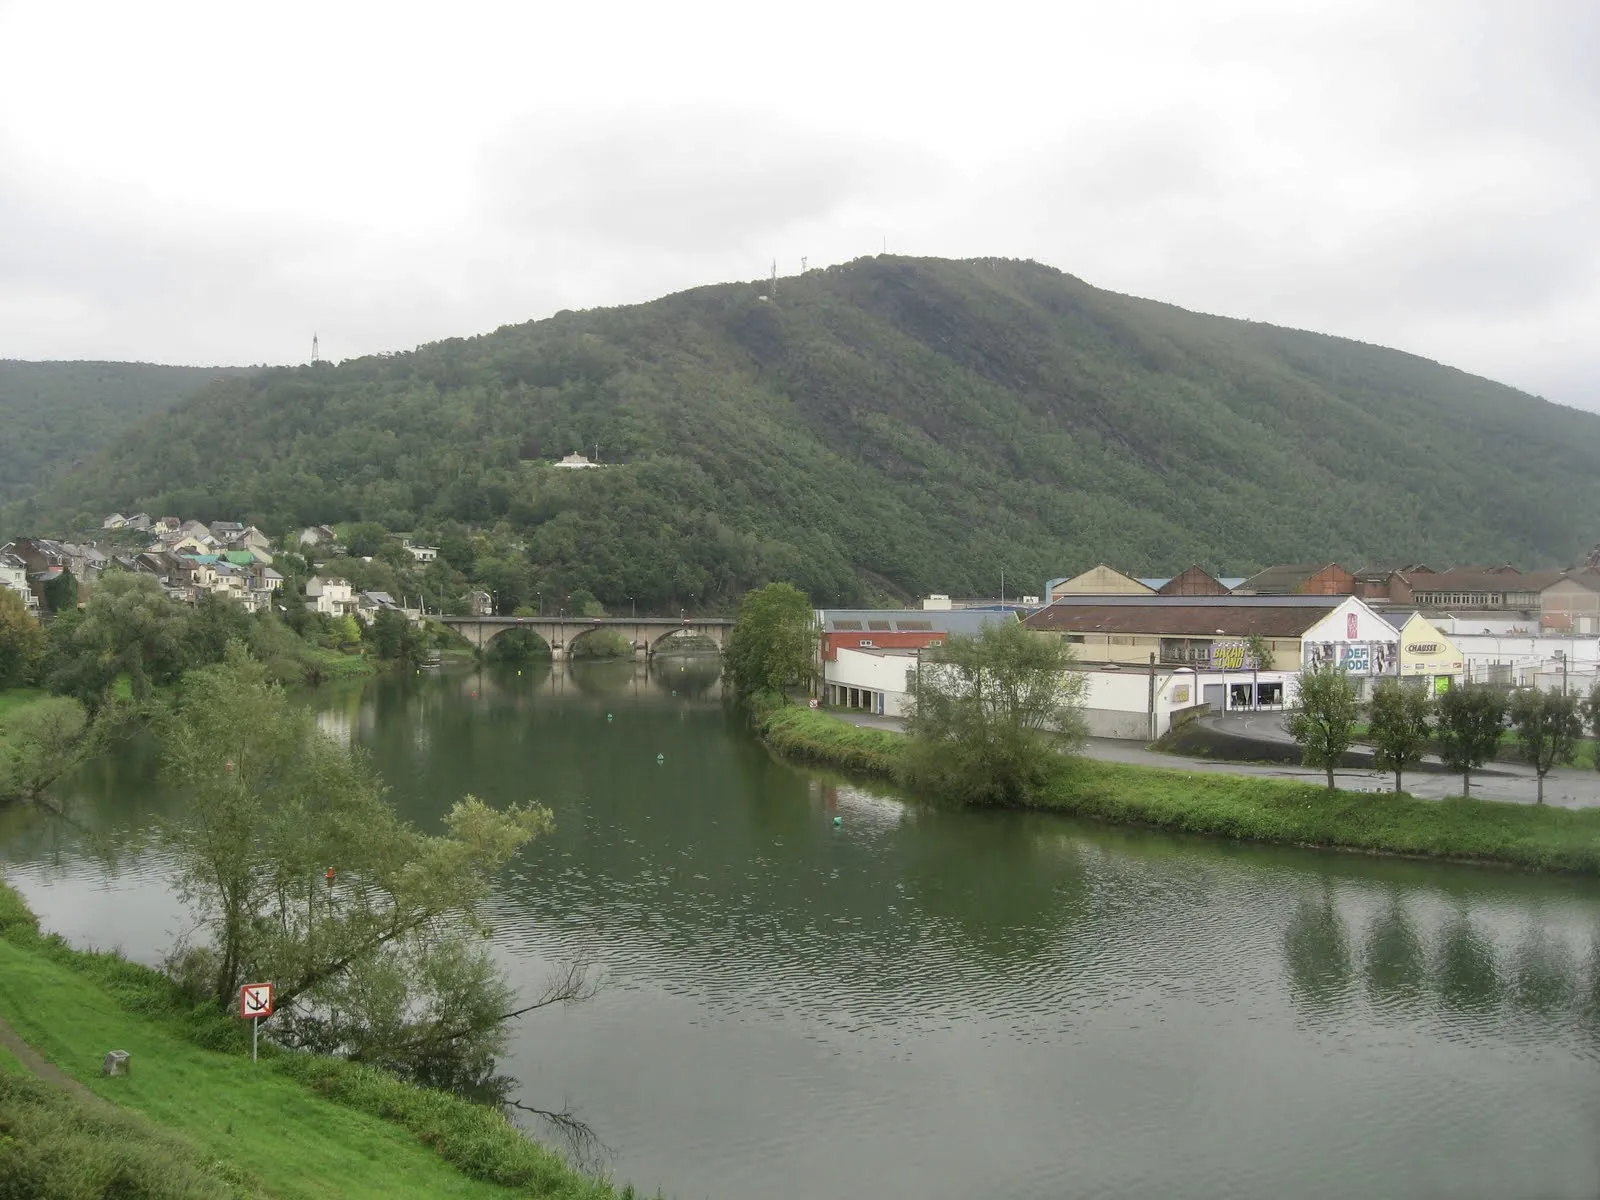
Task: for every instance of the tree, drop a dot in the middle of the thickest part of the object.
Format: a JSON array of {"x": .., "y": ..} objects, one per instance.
[
  {"x": 61, "y": 593},
  {"x": 1400, "y": 724},
  {"x": 1548, "y": 726},
  {"x": 773, "y": 644},
  {"x": 394, "y": 639},
  {"x": 1324, "y": 717},
  {"x": 991, "y": 713},
  {"x": 129, "y": 628},
  {"x": 1469, "y": 729},
  {"x": 22, "y": 642},
  {"x": 41, "y": 742},
  {"x": 1591, "y": 710},
  {"x": 373, "y": 960},
  {"x": 1260, "y": 651}
]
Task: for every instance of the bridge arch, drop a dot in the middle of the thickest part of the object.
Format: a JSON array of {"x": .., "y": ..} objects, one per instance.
[{"x": 662, "y": 641}]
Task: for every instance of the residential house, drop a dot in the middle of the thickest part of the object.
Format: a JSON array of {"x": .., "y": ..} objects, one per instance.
[
  {"x": 225, "y": 531},
  {"x": 576, "y": 462},
  {"x": 1299, "y": 579},
  {"x": 252, "y": 539},
  {"x": 197, "y": 529},
  {"x": 139, "y": 521},
  {"x": 165, "y": 526},
  {"x": 480, "y": 604},
  {"x": 14, "y": 575},
  {"x": 370, "y": 604},
  {"x": 114, "y": 521},
  {"x": 317, "y": 535},
  {"x": 1097, "y": 581},
  {"x": 330, "y": 595},
  {"x": 421, "y": 554}
]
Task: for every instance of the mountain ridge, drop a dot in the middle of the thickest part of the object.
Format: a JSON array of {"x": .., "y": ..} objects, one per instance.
[{"x": 915, "y": 424}]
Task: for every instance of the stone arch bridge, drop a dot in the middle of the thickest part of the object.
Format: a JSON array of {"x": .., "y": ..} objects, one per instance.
[{"x": 647, "y": 635}]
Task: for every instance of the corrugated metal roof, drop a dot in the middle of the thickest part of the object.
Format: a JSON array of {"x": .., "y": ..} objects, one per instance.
[
  {"x": 964, "y": 621},
  {"x": 1181, "y": 620},
  {"x": 1293, "y": 600}
]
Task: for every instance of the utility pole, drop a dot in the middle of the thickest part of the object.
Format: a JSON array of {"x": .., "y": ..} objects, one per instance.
[{"x": 1151, "y": 703}]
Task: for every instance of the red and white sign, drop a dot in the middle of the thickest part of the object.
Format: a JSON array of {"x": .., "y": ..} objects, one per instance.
[{"x": 255, "y": 1000}]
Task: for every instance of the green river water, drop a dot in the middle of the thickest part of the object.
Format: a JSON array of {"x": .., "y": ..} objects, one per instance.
[{"x": 921, "y": 1002}]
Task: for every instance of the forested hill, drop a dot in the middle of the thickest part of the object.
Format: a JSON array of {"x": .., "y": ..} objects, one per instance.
[
  {"x": 891, "y": 426},
  {"x": 54, "y": 416}
]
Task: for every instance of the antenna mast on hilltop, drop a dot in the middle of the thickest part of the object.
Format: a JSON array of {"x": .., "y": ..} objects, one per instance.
[
  {"x": 774, "y": 277},
  {"x": 313, "y": 347}
]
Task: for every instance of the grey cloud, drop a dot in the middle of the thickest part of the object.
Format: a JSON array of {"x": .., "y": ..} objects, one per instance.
[{"x": 685, "y": 180}]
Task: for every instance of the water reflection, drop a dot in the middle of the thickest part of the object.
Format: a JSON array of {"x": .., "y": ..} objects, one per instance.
[{"x": 953, "y": 1003}]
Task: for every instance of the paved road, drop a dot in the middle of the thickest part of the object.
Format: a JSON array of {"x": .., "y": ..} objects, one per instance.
[{"x": 1567, "y": 787}]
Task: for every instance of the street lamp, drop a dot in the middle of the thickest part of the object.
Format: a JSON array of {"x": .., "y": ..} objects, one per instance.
[
  {"x": 539, "y": 596},
  {"x": 634, "y": 605}
]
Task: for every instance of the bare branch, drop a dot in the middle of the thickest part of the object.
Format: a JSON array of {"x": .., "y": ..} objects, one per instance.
[
  {"x": 573, "y": 982},
  {"x": 584, "y": 1147}
]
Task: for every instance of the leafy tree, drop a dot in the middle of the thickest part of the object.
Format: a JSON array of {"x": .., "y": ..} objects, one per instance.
[
  {"x": 990, "y": 713},
  {"x": 61, "y": 593},
  {"x": 1260, "y": 651},
  {"x": 1591, "y": 709},
  {"x": 378, "y": 963},
  {"x": 41, "y": 742},
  {"x": 214, "y": 622},
  {"x": 1323, "y": 718},
  {"x": 395, "y": 639},
  {"x": 772, "y": 646},
  {"x": 22, "y": 642},
  {"x": 1400, "y": 724},
  {"x": 129, "y": 627},
  {"x": 365, "y": 538},
  {"x": 1548, "y": 726},
  {"x": 1469, "y": 730}
]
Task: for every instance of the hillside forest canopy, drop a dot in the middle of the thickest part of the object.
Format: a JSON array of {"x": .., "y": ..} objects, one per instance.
[{"x": 875, "y": 431}]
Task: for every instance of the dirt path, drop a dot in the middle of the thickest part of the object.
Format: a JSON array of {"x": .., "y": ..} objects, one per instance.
[{"x": 38, "y": 1064}]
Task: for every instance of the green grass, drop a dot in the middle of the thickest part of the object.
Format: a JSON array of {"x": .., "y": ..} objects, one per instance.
[
  {"x": 296, "y": 1143},
  {"x": 59, "y": 1146},
  {"x": 302, "y": 1125},
  {"x": 1232, "y": 806},
  {"x": 10, "y": 1064}
]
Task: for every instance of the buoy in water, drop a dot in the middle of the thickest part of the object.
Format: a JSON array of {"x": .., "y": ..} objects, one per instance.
[
  {"x": 608, "y": 716},
  {"x": 660, "y": 758},
  {"x": 838, "y": 820}
]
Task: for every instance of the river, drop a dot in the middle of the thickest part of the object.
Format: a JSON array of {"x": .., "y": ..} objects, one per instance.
[{"x": 933, "y": 1003}]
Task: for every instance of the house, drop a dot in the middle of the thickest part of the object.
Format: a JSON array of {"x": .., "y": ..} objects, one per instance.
[
  {"x": 1571, "y": 604},
  {"x": 250, "y": 538},
  {"x": 576, "y": 462},
  {"x": 480, "y": 604},
  {"x": 330, "y": 595},
  {"x": 421, "y": 554},
  {"x": 165, "y": 526},
  {"x": 1299, "y": 579},
  {"x": 317, "y": 535},
  {"x": 370, "y": 604},
  {"x": 14, "y": 575},
  {"x": 198, "y": 529},
  {"x": 1097, "y": 581},
  {"x": 139, "y": 521},
  {"x": 1196, "y": 581},
  {"x": 225, "y": 531},
  {"x": 114, "y": 521}
]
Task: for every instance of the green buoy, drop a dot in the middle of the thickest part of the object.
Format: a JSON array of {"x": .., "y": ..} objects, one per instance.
[
  {"x": 838, "y": 820},
  {"x": 661, "y": 758},
  {"x": 608, "y": 716}
]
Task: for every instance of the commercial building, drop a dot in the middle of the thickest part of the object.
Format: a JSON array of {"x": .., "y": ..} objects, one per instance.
[{"x": 866, "y": 653}]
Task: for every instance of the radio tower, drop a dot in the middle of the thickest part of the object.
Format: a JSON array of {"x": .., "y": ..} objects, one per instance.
[
  {"x": 774, "y": 277},
  {"x": 313, "y": 347}
]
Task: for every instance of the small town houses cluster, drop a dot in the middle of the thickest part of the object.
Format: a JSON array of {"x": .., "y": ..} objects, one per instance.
[
  {"x": 191, "y": 560},
  {"x": 1156, "y": 651}
]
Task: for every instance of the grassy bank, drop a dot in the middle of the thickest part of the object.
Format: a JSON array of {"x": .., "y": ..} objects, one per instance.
[
  {"x": 1233, "y": 806},
  {"x": 292, "y": 1125}
]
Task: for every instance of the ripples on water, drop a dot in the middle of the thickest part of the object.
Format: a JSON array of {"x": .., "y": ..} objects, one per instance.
[{"x": 930, "y": 1003}]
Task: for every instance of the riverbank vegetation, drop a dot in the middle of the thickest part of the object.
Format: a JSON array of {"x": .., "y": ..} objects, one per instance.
[
  {"x": 1232, "y": 806},
  {"x": 294, "y": 1125}
]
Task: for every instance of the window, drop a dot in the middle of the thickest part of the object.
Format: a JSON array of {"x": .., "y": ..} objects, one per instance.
[
  {"x": 1075, "y": 639},
  {"x": 914, "y": 626},
  {"x": 882, "y": 626},
  {"x": 937, "y": 642},
  {"x": 847, "y": 625},
  {"x": 867, "y": 642}
]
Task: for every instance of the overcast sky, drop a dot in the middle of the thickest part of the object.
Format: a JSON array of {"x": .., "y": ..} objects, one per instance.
[{"x": 211, "y": 183}]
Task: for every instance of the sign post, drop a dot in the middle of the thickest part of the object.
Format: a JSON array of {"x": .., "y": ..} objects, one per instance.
[{"x": 255, "y": 1002}]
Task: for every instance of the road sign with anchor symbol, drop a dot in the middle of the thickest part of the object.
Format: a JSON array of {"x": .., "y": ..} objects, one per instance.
[{"x": 255, "y": 1000}]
